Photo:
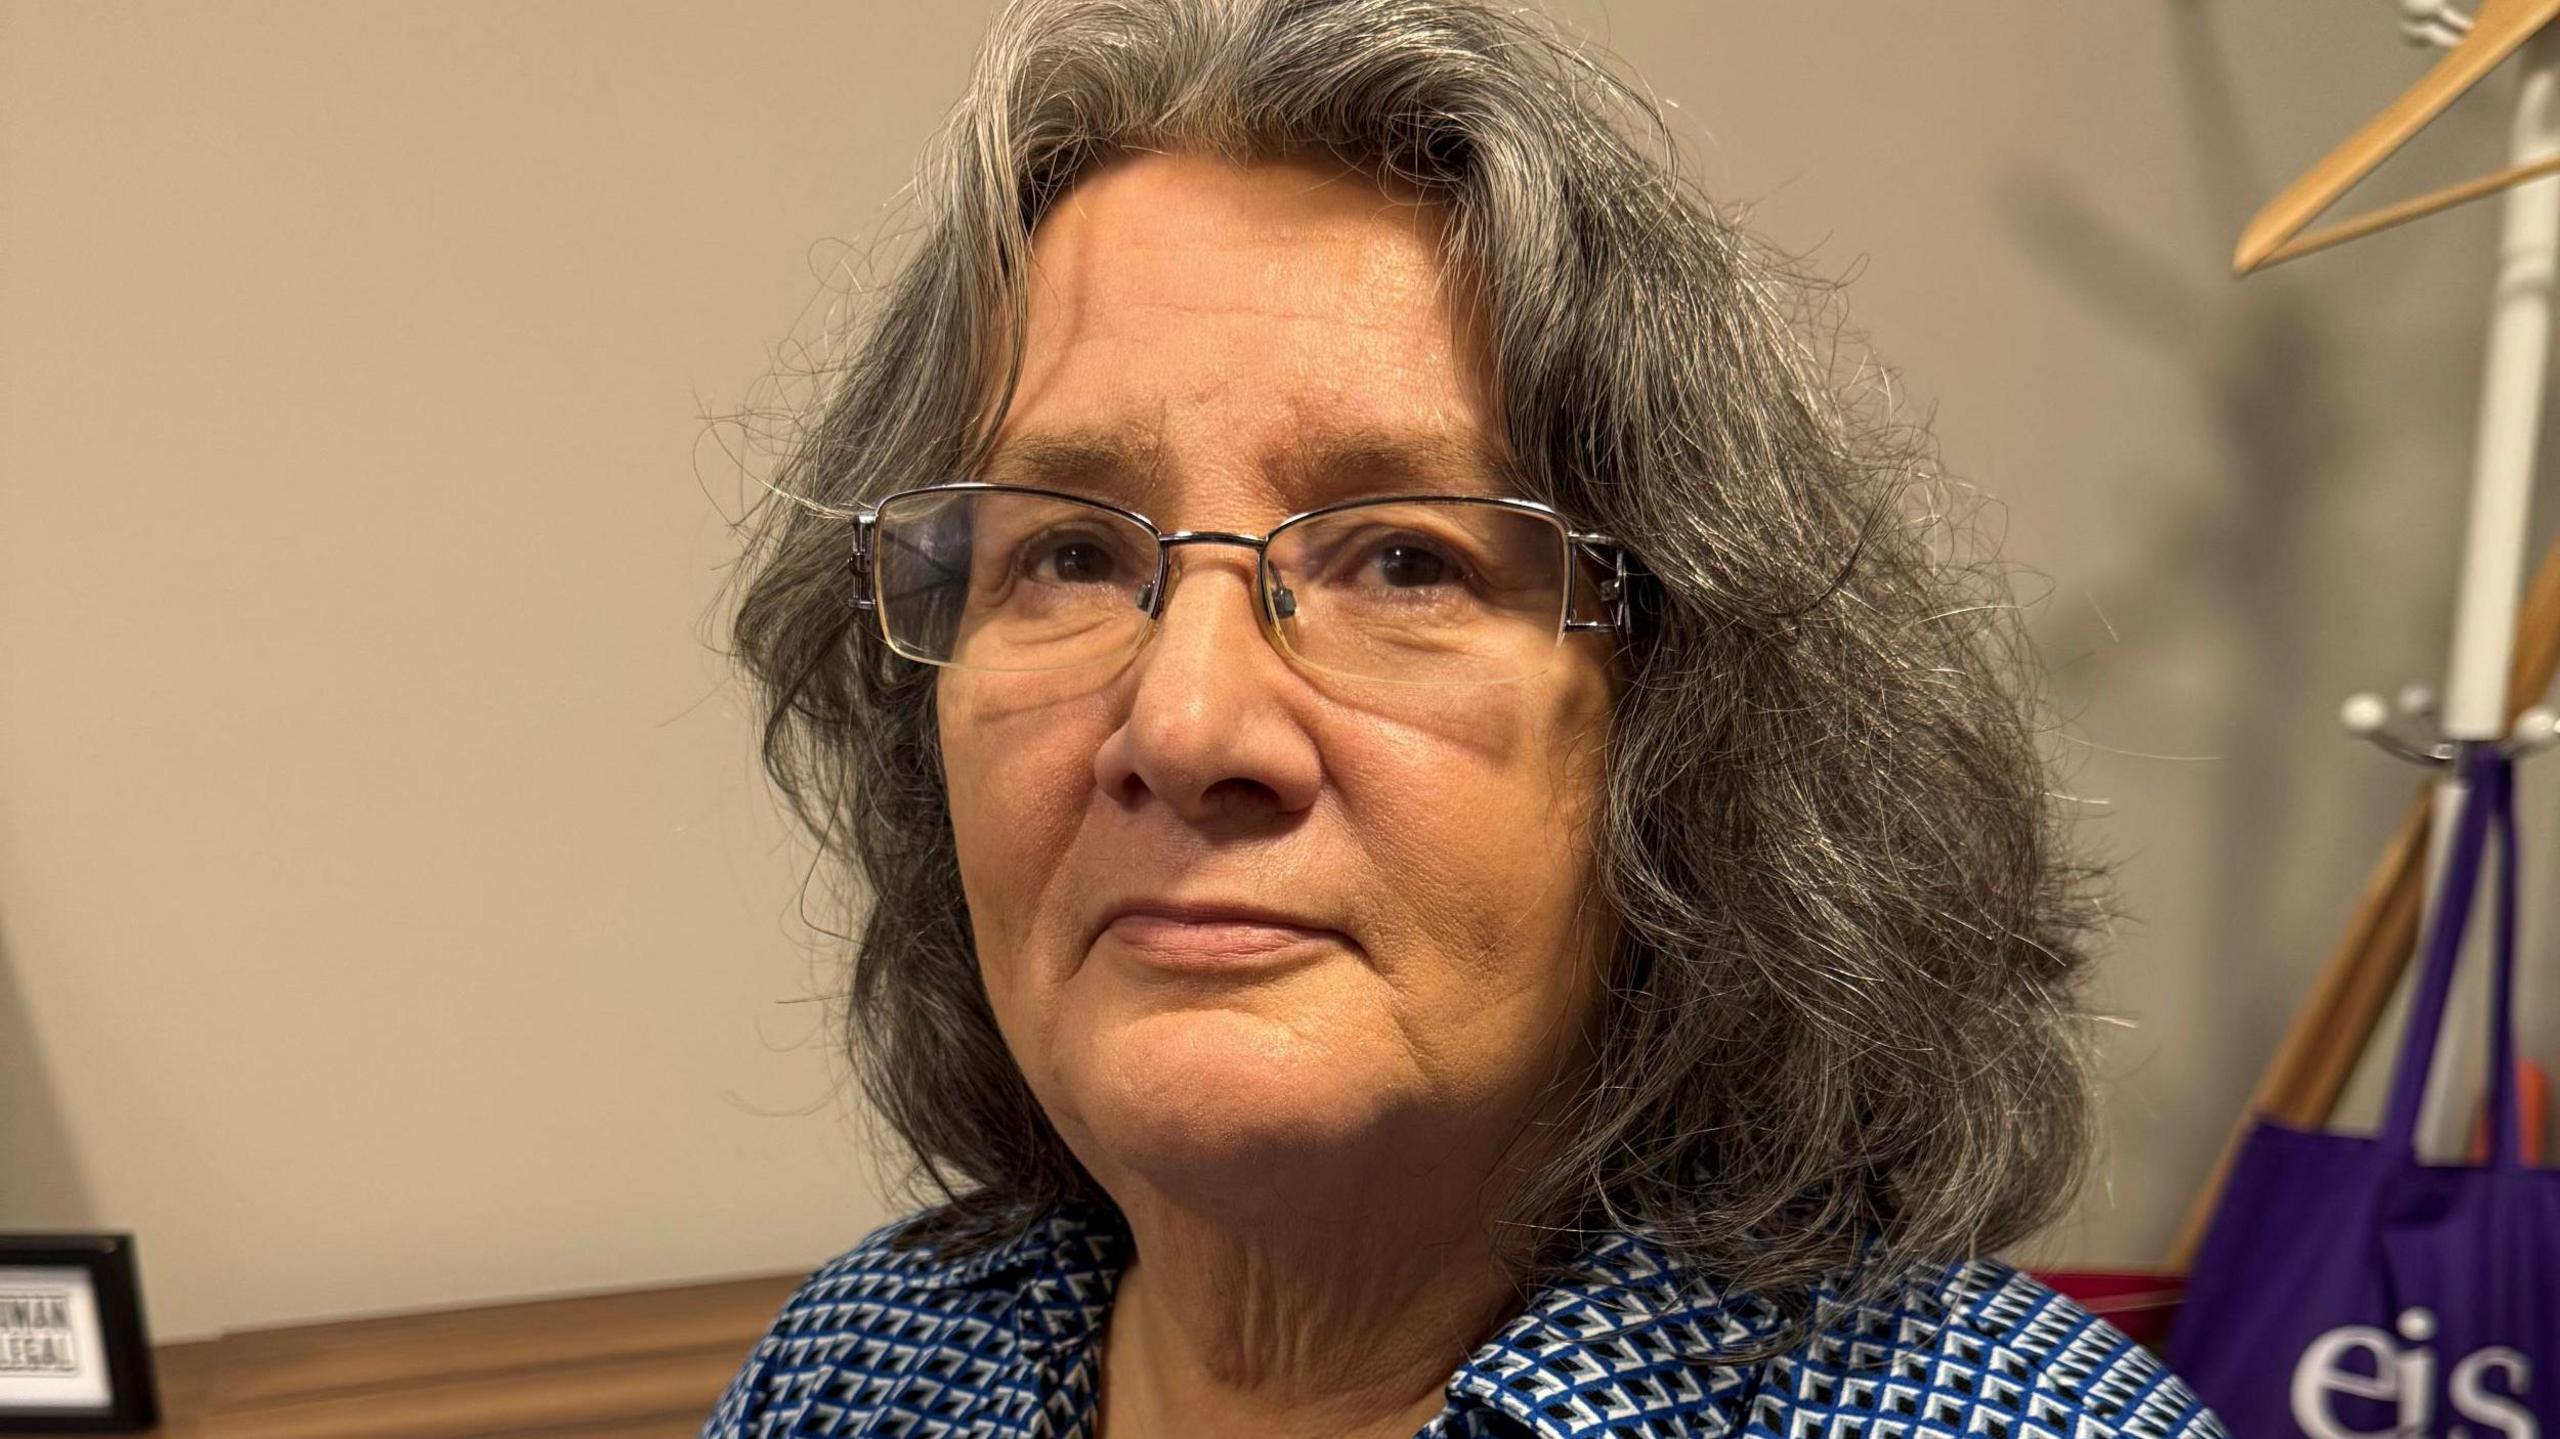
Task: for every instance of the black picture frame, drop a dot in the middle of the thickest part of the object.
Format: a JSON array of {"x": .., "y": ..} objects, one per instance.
[{"x": 133, "y": 1401}]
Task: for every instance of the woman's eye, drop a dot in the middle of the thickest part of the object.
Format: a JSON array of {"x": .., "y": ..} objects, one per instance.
[
  {"x": 1408, "y": 566},
  {"x": 1074, "y": 562}
]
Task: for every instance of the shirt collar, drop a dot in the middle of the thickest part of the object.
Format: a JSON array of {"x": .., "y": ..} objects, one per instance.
[
  {"x": 1066, "y": 1263},
  {"x": 1621, "y": 1335},
  {"x": 1624, "y": 1335}
]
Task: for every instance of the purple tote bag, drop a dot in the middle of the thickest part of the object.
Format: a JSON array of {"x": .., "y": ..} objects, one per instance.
[{"x": 2346, "y": 1289}]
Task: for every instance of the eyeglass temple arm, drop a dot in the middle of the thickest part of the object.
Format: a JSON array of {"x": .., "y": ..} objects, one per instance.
[
  {"x": 864, "y": 524},
  {"x": 1613, "y": 585}
]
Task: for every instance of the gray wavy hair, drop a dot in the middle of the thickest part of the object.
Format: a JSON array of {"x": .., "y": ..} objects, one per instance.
[{"x": 1841, "y": 1038}]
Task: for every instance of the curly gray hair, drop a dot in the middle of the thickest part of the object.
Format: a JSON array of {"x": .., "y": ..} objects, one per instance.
[{"x": 1841, "y": 1030}]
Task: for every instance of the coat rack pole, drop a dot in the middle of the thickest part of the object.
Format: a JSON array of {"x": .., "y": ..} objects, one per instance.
[
  {"x": 2493, "y": 551},
  {"x": 2494, "y": 673}
]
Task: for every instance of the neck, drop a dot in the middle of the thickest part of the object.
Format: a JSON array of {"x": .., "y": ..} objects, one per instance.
[{"x": 1343, "y": 1325}]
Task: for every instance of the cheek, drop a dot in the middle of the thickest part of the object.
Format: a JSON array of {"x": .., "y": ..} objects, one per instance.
[
  {"x": 1483, "y": 840},
  {"x": 1017, "y": 784}
]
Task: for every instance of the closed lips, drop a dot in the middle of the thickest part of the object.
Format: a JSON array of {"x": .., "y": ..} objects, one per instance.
[
  {"x": 1208, "y": 934},
  {"x": 1216, "y": 914}
]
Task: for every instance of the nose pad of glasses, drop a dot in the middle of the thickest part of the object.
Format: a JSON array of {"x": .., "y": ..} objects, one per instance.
[
  {"x": 1284, "y": 603},
  {"x": 1147, "y": 596}
]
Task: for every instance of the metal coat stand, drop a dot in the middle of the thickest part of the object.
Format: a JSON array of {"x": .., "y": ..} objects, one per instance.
[{"x": 2472, "y": 707}]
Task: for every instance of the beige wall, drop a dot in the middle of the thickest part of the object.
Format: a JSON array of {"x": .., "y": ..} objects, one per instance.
[{"x": 390, "y": 911}]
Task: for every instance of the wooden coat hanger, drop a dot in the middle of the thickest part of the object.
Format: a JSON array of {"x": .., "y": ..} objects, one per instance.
[{"x": 2496, "y": 32}]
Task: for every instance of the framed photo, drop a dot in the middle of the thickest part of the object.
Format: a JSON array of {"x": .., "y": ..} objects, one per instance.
[{"x": 74, "y": 1356}]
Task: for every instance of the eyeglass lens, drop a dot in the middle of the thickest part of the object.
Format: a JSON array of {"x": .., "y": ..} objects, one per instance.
[{"x": 1435, "y": 591}]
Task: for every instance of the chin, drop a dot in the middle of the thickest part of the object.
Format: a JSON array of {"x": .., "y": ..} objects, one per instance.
[{"x": 1213, "y": 1101}]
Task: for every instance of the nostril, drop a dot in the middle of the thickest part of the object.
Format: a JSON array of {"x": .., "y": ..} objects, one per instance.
[
  {"x": 1130, "y": 787},
  {"x": 1238, "y": 799}
]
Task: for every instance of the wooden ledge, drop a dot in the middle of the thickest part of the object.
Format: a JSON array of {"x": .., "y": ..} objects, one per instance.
[{"x": 638, "y": 1364}]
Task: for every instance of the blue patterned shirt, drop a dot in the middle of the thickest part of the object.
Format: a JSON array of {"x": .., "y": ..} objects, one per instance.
[{"x": 885, "y": 1341}]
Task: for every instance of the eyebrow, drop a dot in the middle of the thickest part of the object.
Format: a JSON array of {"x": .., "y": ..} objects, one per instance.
[{"x": 1127, "y": 465}]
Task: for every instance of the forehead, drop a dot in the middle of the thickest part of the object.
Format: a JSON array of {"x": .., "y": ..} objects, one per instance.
[
  {"x": 1279, "y": 331},
  {"x": 1132, "y": 464}
]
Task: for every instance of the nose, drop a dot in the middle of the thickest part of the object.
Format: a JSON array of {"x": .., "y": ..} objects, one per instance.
[{"x": 1214, "y": 726}]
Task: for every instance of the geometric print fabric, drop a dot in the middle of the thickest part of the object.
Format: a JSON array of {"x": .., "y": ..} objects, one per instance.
[{"x": 891, "y": 1342}]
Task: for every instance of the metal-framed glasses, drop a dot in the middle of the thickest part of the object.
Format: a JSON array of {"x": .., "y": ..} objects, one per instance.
[{"x": 1410, "y": 589}]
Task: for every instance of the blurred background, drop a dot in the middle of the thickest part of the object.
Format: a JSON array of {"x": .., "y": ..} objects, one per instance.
[{"x": 392, "y": 914}]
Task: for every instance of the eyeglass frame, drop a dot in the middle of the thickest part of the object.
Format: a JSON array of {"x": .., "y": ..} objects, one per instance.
[{"x": 1579, "y": 544}]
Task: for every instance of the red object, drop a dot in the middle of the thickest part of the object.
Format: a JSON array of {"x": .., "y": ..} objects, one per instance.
[
  {"x": 2533, "y": 1097},
  {"x": 2140, "y": 1303}
]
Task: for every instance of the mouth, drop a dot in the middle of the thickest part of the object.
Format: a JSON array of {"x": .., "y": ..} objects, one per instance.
[{"x": 1213, "y": 937}]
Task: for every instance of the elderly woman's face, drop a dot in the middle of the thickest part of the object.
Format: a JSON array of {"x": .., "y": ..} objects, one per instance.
[{"x": 1244, "y": 923}]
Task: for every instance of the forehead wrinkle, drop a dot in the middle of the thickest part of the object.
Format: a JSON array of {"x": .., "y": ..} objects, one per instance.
[{"x": 1129, "y": 465}]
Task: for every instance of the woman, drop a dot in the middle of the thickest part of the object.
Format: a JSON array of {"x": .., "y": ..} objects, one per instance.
[{"x": 1445, "y": 858}]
